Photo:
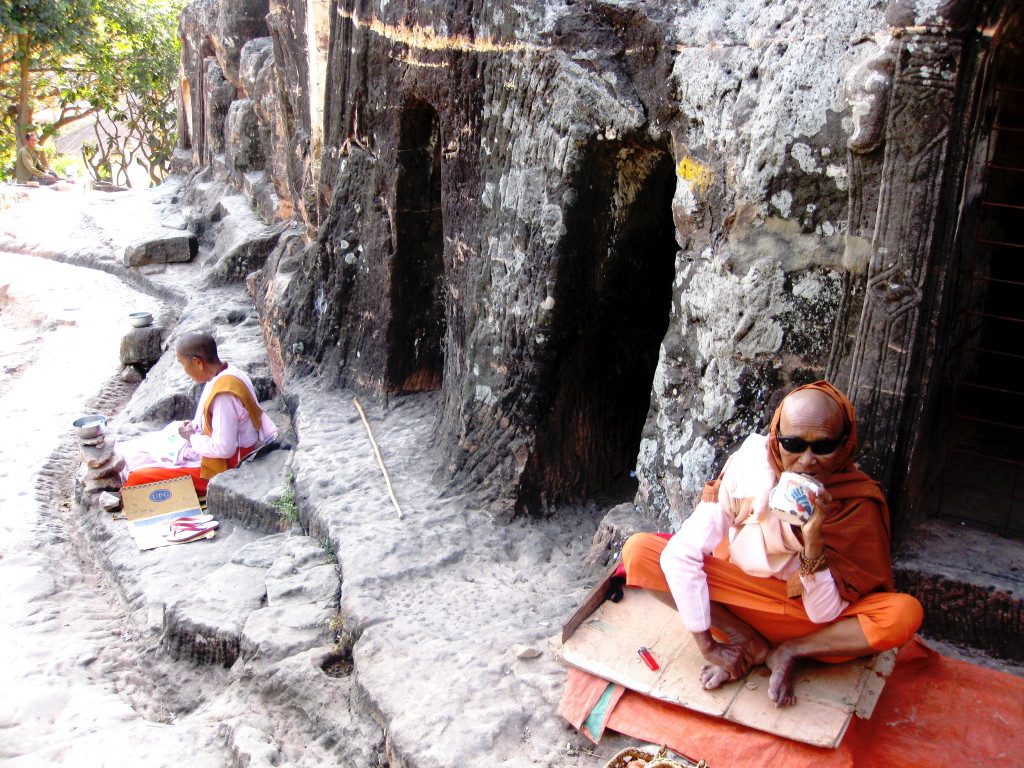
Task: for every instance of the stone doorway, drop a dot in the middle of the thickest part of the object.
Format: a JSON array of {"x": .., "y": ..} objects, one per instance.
[
  {"x": 200, "y": 137},
  {"x": 185, "y": 130},
  {"x": 612, "y": 299},
  {"x": 982, "y": 481},
  {"x": 417, "y": 331}
]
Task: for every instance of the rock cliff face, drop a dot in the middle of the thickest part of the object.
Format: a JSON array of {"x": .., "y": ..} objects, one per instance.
[{"x": 612, "y": 234}]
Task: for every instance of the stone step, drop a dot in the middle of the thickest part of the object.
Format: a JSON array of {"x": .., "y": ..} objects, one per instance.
[
  {"x": 274, "y": 598},
  {"x": 971, "y": 585},
  {"x": 250, "y": 493}
]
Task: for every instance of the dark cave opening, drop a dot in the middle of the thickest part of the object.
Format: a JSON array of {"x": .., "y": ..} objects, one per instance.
[
  {"x": 417, "y": 328},
  {"x": 982, "y": 480},
  {"x": 612, "y": 301}
]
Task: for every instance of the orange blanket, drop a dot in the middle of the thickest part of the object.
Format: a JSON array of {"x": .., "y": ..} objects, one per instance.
[{"x": 934, "y": 712}]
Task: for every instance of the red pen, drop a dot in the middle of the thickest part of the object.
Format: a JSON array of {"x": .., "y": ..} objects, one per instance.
[{"x": 647, "y": 657}]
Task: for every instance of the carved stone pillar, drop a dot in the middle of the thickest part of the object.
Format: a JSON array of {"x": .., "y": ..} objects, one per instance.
[{"x": 878, "y": 373}]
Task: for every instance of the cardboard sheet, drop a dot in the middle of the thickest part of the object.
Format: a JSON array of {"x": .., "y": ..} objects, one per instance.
[
  {"x": 150, "y": 509},
  {"x": 828, "y": 695}
]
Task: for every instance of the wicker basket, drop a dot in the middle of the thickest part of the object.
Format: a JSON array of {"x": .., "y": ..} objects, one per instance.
[
  {"x": 660, "y": 760},
  {"x": 622, "y": 758}
]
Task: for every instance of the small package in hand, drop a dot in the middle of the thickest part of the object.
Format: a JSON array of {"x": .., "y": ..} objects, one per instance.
[{"x": 792, "y": 499}]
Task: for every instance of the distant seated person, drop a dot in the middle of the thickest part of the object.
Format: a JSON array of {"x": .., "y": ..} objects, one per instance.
[
  {"x": 754, "y": 589},
  {"x": 33, "y": 165},
  {"x": 228, "y": 425}
]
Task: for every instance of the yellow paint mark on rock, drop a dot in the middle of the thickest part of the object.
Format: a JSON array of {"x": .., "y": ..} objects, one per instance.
[{"x": 698, "y": 174}]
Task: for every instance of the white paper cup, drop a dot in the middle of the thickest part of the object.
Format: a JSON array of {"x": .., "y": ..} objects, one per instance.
[{"x": 790, "y": 499}]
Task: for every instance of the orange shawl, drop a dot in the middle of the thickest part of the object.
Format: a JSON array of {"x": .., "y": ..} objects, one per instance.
[{"x": 230, "y": 385}]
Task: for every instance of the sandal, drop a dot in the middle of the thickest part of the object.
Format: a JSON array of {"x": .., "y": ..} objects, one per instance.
[
  {"x": 192, "y": 519},
  {"x": 177, "y": 528},
  {"x": 184, "y": 536}
]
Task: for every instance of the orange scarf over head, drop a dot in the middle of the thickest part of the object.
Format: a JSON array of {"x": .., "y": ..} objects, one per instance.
[{"x": 856, "y": 530}]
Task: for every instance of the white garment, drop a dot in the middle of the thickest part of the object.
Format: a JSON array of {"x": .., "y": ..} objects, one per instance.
[
  {"x": 164, "y": 448},
  {"x": 231, "y": 426},
  {"x": 760, "y": 544}
]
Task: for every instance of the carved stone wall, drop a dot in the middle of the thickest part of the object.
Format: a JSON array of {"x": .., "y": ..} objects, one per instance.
[
  {"x": 612, "y": 234},
  {"x": 895, "y": 350},
  {"x": 254, "y": 82}
]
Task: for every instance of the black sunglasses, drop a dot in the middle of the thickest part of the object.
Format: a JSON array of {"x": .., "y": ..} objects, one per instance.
[{"x": 818, "y": 447}]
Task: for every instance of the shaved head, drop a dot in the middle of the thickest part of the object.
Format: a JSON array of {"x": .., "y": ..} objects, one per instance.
[
  {"x": 811, "y": 416},
  {"x": 198, "y": 344},
  {"x": 815, "y": 405}
]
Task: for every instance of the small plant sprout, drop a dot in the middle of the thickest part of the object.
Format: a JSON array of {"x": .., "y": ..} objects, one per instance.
[
  {"x": 285, "y": 505},
  {"x": 328, "y": 548}
]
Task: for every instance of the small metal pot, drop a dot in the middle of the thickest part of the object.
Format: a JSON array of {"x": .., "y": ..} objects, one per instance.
[
  {"x": 140, "y": 319},
  {"x": 90, "y": 426}
]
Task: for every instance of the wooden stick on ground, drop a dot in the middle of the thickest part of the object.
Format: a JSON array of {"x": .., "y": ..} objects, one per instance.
[{"x": 380, "y": 459}]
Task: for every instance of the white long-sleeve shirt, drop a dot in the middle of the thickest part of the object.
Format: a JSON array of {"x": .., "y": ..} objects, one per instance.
[
  {"x": 759, "y": 543},
  {"x": 231, "y": 427}
]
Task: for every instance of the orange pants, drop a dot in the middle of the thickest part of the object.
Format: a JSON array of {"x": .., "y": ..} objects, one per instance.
[
  {"x": 145, "y": 475},
  {"x": 888, "y": 619}
]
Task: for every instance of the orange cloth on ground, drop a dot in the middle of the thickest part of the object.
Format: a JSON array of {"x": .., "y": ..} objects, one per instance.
[
  {"x": 230, "y": 385},
  {"x": 934, "y": 711},
  {"x": 888, "y": 619},
  {"x": 158, "y": 474}
]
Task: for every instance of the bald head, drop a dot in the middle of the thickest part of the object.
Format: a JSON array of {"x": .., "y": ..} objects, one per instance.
[
  {"x": 198, "y": 344},
  {"x": 814, "y": 419},
  {"x": 814, "y": 406}
]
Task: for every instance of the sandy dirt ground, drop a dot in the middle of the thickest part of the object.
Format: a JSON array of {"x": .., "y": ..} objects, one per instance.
[
  {"x": 83, "y": 683},
  {"x": 67, "y": 665},
  {"x": 74, "y": 683}
]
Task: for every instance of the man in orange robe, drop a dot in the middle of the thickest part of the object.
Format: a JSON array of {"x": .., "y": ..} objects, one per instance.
[{"x": 756, "y": 590}]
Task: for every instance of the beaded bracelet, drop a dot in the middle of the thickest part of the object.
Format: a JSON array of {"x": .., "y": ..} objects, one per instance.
[{"x": 807, "y": 567}]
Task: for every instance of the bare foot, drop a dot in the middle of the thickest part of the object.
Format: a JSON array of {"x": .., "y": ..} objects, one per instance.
[
  {"x": 780, "y": 685},
  {"x": 711, "y": 676}
]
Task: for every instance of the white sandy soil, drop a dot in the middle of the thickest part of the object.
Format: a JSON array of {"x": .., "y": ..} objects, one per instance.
[
  {"x": 67, "y": 655},
  {"x": 75, "y": 671}
]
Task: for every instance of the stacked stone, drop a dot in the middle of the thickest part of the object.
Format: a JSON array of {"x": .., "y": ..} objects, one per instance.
[
  {"x": 140, "y": 349},
  {"x": 102, "y": 471}
]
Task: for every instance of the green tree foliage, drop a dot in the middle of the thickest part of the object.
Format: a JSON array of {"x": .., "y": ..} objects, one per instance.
[
  {"x": 35, "y": 37},
  {"x": 84, "y": 58}
]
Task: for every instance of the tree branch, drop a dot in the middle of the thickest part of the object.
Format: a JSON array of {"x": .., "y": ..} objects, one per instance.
[{"x": 72, "y": 119}]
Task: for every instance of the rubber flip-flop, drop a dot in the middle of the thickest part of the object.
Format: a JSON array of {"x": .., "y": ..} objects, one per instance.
[
  {"x": 186, "y": 536},
  {"x": 177, "y": 528},
  {"x": 192, "y": 519}
]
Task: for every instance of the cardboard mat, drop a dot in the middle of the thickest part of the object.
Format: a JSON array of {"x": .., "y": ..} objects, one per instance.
[
  {"x": 828, "y": 695},
  {"x": 150, "y": 509}
]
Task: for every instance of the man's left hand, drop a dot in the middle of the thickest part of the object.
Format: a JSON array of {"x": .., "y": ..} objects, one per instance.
[{"x": 814, "y": 543}]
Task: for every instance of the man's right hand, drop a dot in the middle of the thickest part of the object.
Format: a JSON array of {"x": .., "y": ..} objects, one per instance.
[{"x": 734, "y": 658}]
